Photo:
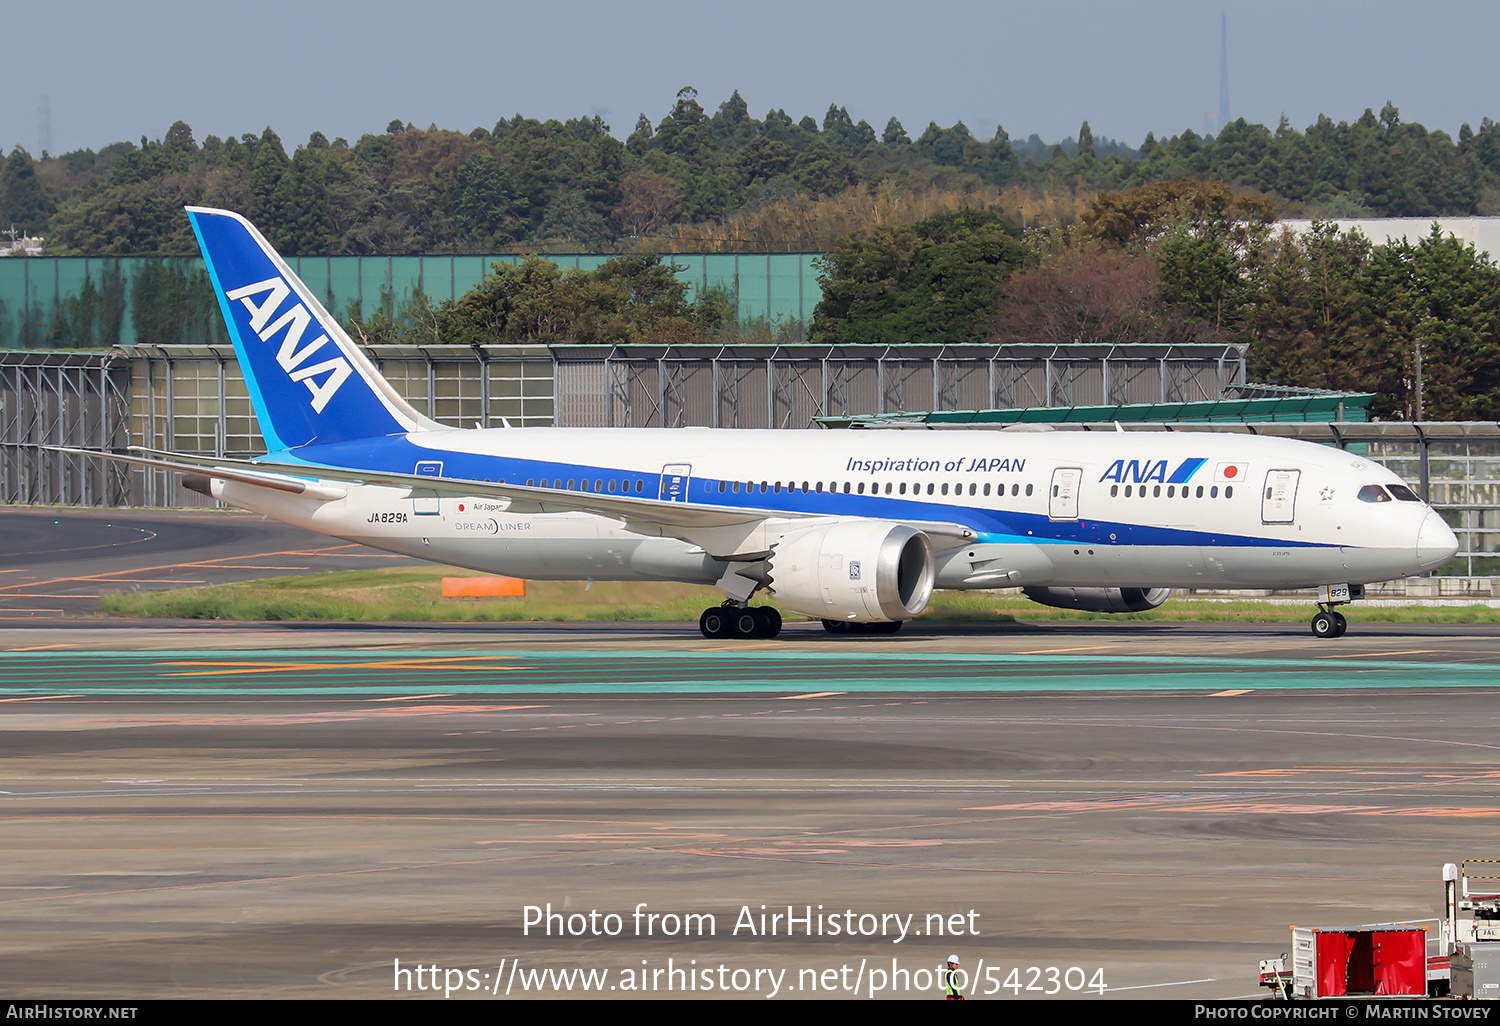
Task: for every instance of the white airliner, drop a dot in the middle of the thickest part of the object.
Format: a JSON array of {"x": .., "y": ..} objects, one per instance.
[{"x": 855, "y": 528}]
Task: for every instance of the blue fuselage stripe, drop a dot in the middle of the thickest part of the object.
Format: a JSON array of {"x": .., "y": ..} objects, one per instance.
[{"x": 396, "y": 454}]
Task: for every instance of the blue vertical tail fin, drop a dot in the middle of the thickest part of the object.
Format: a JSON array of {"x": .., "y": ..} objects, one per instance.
[{"x": 309, "y": 382}]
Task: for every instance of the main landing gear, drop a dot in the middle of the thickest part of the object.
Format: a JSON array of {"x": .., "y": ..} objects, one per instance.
[{"x": 732, "y": 620}]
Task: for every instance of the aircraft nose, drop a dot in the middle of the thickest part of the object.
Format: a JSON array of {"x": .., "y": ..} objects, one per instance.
[{"x": 1436, "y": 542}]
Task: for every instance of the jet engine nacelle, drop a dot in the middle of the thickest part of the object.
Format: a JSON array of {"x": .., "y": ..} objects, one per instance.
[
  {"x": 1100, "y": 600},
  {"x": 863, "y": 570}
]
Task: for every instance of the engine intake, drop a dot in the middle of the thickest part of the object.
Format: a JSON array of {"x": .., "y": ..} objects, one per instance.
[
  {"x": 865, "y": 571},
  {"x": 1100, "y": 600}
]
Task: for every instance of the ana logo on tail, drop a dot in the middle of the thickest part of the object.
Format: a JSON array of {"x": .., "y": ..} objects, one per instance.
[{"x": 295, "y": 322}]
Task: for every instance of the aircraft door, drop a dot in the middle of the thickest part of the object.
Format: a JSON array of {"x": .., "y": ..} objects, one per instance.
[
  {"x": 1278, "y": 500},
  {"x": 1062, "y": 504},
  {"x": 675, "y": 478},
  {"x": 424, "y": 503}
]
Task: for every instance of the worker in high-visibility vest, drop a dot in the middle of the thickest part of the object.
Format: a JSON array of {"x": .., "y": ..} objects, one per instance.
[{"x": 951, "y": 989}]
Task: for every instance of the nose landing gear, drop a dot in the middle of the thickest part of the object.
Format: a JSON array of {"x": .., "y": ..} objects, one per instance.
[{"x": 1330, "y": 623}]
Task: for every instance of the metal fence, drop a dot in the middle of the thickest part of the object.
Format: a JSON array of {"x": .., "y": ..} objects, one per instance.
[
  {"x": 193, "y": 399},
  {"x": 792, "y": 386},
  {"x": 63, "y": 399}
]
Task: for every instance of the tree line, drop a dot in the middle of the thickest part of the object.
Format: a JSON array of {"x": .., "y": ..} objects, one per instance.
[
  {"x": 1417, "y": 322},
  {"x": 939, "y": 239},
  {"x": 697, "y": 179}
]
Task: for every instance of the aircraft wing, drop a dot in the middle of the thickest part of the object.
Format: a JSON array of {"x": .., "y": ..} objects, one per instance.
[{"x": 684, "y": 520}]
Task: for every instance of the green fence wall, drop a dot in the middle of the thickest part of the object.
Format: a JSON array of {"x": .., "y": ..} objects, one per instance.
[{"x": 83, "y": 302}]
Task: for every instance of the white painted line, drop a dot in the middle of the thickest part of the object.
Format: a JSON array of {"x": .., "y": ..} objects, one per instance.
[
  {"x": 409, "y": 698},
  {"x": 1148, "y": 986}
]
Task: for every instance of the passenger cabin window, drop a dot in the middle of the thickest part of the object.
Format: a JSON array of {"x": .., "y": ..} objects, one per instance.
[{"x": 1373, "y": 493}]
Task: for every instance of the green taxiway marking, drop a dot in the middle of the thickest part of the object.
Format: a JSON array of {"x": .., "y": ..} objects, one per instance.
[{"x": 475, "y": 672}]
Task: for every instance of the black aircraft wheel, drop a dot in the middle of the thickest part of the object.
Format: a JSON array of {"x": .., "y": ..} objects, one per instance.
[
  {"x": 715, "y": 622},
  {"x": 744, "y": 623},
  {"x": 1325, "y": 626},
  {"x": 886, "y": 626},
  {"x": 1340, "y": 625},
  {"x": 770, "y": 621},
  {"x": 837, "y": 626}
]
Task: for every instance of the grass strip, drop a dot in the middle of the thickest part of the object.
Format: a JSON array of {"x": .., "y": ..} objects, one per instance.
[{"x": 415, "y": 594}]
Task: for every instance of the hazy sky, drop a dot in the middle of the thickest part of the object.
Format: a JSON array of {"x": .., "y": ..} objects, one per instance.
[{"x": 120, "y": 71}]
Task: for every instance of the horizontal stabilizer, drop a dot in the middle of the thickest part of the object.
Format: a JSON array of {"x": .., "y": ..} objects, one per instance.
[{"x": 241, "y": 473}]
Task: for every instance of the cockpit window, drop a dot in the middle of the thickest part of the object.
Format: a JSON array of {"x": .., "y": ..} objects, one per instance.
[
  {"x": 1403, "y": 493},
  {"x": 1373, "y": 493}
]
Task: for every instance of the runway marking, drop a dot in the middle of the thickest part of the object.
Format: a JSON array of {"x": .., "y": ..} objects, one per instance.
[
  {"x": 815, "y": 694},
  {"x": 38, "y": 698},
  {"x": 201, "y": 564},
  {"x": 38, "y": 648},
  {"x": 254, "y": 566},
  {"x": 1150, "y": 986},
  {"x": 1459, "y": 812},
  {"x": 1381, "y": 655},
  {"x": 385, "y": 664},
  {"x": 1063, "y": 651},
  {"x": 1297, "y": 771},
  {"x": 741, "y": 648},
  {"x": 415, "y": 698},
  {"x": 468, "y": 672},
  {"x": 162, "y": 580},
  {"x": 288, "y": 720},
  {"x": 1078, "y": 805},
  {"x": 1272, "y": 809},
  {"x": 1231, "y": 693}
]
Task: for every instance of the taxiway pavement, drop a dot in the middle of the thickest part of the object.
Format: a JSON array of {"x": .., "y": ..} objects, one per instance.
[{"x": 269, "y": 810}]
